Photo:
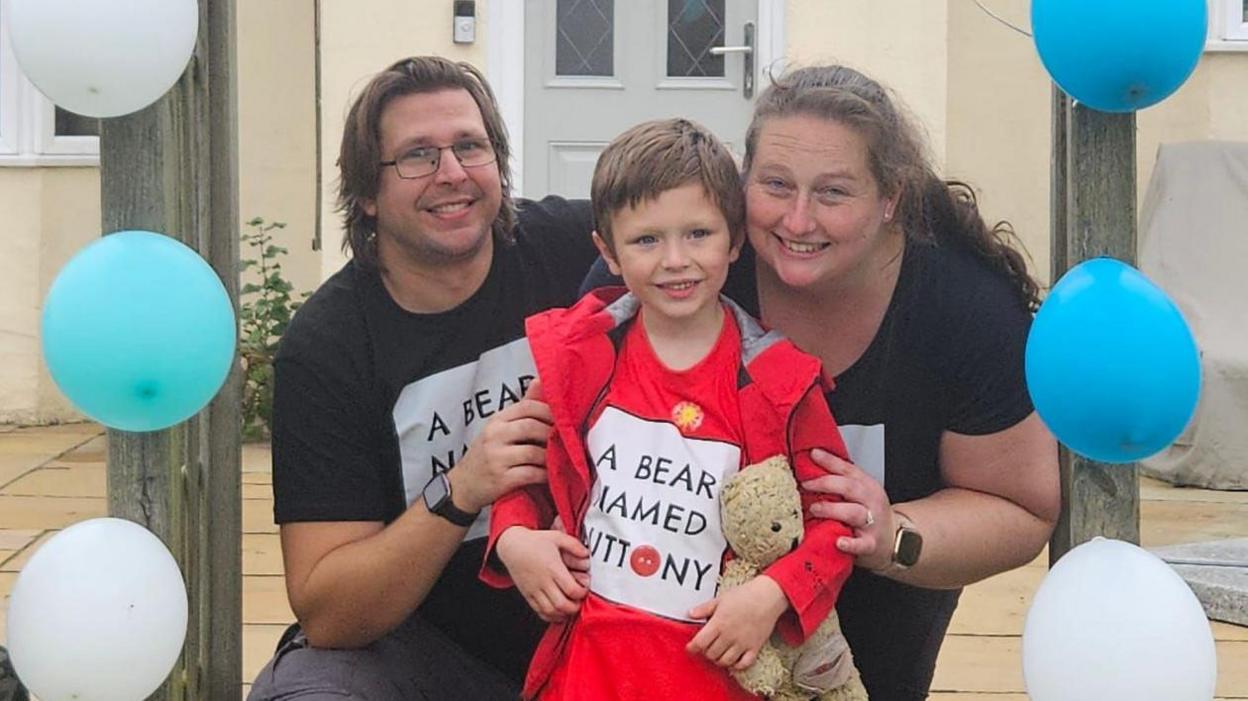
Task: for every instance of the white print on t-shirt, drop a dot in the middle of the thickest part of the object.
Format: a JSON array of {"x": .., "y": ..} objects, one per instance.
[
  {"x": 653, "y": 527},
  {"x": 436, "y": 417},
  {"x": 866, "y": 448}
]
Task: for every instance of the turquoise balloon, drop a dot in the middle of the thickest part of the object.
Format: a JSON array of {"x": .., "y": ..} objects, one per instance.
[
  {"x": 1111, "y": 364},
  {"x": 1119, "y": 55},
  {"x": 138, "y": 331}
]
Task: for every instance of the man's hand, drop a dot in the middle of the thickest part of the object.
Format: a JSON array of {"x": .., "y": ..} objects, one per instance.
[
  {"x": 741, "y": 620},
  {"x": 509, "y": 452},
  {"x": 538, "y": 562}
]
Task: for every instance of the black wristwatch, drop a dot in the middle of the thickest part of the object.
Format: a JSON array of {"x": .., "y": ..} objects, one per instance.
[
  {"x": 907, "y": 543},
  {"x": 437, "y": 496}
]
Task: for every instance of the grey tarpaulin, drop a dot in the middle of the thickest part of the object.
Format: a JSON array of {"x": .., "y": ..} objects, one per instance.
[{"x": 1193, "y": 242}]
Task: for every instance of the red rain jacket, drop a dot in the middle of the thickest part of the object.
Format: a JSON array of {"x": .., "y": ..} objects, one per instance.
[{"x": 783, "y": 411}]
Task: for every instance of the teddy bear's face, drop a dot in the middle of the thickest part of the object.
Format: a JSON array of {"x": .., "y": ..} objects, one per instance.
[{"x": 762, "y": 512}]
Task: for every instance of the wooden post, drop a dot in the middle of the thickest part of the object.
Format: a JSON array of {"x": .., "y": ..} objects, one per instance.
[
  {"x": 1093, "y": 214},
  {"x": 173, "y": 168}
]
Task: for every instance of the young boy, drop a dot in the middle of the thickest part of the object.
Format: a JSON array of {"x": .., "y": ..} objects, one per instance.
[{"x": 659, "y": 393}]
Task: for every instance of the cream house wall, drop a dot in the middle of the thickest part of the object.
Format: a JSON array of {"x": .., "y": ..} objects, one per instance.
[
  {"x": 355, "y": 45},
  {"x": 70, "y": 213},
  {"x": 49, "y": 214},
  {"x": 277, "y": 130},
  {"x": 999, "y": 121},
  {"x": 901, "y": 43},
  {"x": 19, "y": 290}
]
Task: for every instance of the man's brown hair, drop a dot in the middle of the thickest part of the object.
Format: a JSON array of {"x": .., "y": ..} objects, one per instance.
[
  {"x": 654, "y": 157},
  {"x": 359, "y": 159}
]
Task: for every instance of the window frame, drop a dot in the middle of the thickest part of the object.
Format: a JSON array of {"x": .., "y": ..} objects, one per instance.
[
  {"x": 10, "y": 91},
  {"x": 48, "y": 143},
  {"x": 28, "y": 118},
  {"x": 1228, "y": 27},
  {"x": 1234, "y": 24}
]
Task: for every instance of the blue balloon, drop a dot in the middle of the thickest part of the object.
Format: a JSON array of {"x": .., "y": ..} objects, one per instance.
[
  {"x": 138, "y": 331},
  {"x": 1111, "y": 364},
  {"x": 1119, "y": 55}
]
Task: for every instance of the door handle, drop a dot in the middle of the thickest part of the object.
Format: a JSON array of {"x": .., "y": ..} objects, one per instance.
[{"x": 747, "y": 51}]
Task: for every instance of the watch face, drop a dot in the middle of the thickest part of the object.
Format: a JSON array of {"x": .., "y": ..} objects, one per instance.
[
  {"x": 909, "y": 544},
  {"x": 435, "y": 492}
]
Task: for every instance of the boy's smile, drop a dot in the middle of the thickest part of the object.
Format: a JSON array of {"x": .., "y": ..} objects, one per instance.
[{"x": 673, "y": 252}]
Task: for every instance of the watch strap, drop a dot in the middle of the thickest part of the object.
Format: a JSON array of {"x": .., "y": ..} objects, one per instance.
[{"x": 445, "y": 507}]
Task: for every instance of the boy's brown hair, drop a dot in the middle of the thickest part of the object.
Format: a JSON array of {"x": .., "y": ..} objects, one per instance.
[{"x": 654, "y": 157}]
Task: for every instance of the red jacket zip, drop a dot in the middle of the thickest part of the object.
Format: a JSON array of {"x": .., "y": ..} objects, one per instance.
[{"x": 779, "y": 380}]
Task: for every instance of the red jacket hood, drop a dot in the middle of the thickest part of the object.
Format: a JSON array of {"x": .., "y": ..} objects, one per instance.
[{"x": 574, "y": 350}]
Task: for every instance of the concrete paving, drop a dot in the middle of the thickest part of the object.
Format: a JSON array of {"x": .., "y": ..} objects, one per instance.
[{"x": 1217, "y": 571}]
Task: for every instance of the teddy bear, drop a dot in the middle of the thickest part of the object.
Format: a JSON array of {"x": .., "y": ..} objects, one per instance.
[{"x": 762, "y": 520}]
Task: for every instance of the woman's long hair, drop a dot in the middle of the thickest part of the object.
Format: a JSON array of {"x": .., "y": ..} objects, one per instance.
[{"x": 927, "y": 206}]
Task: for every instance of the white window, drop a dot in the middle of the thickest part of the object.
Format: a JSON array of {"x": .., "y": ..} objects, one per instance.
[
  {"x": 34, "y": 131},
  {"x": 10, "y": 80},
  {"x": 1234, "y": 20},
  {"x": 1228, "y": 25}
]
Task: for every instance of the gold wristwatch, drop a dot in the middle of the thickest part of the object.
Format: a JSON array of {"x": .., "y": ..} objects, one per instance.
[{"x": 907, "y": 545}]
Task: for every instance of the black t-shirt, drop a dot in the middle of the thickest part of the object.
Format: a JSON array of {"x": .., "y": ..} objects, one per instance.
[
  {"x": 948, "y": 357},
  {"x": 370, "y": 400}
]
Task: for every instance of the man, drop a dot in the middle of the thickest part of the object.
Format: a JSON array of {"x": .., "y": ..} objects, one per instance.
[{"x": 401, "y": 407}]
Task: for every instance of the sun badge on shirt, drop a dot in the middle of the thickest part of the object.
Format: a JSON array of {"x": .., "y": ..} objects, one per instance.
[{"x": 687, "y": 416}]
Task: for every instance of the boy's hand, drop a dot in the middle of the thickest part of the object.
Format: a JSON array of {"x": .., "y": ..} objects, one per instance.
[
  {"x": 541, "y": 563},
  {"x": 577, "y": 562},
  {"x": 741, "y": 620},
  {"x": 577, "y": 565}
]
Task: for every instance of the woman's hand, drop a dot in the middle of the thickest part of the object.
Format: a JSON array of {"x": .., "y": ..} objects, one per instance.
[{"x": 865, "y": 509}]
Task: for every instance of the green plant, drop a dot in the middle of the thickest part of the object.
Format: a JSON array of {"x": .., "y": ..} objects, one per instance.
[{"x": 265, "y": 309}]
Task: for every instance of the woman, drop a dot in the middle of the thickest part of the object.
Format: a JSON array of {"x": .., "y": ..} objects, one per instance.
[{"x": 862, "y": 256}]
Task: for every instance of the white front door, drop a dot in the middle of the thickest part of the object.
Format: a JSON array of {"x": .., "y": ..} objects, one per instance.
[{"x": 593, "y": 68}]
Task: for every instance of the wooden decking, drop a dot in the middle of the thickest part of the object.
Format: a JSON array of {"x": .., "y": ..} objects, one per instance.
[{"x": 52, "y": 477}]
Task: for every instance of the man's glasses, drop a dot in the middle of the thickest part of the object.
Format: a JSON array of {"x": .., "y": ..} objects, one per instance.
[{"x": 421, "y": 161}]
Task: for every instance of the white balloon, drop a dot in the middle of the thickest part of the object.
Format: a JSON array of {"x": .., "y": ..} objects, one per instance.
[
  {"x": 1113, "y": 622},
  {"x": 103, "y": 58},
  {"x": 97, "y": 614}
]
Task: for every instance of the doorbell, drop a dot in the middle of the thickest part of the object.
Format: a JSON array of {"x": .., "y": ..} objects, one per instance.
[{"x": 464, "y": 23}]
